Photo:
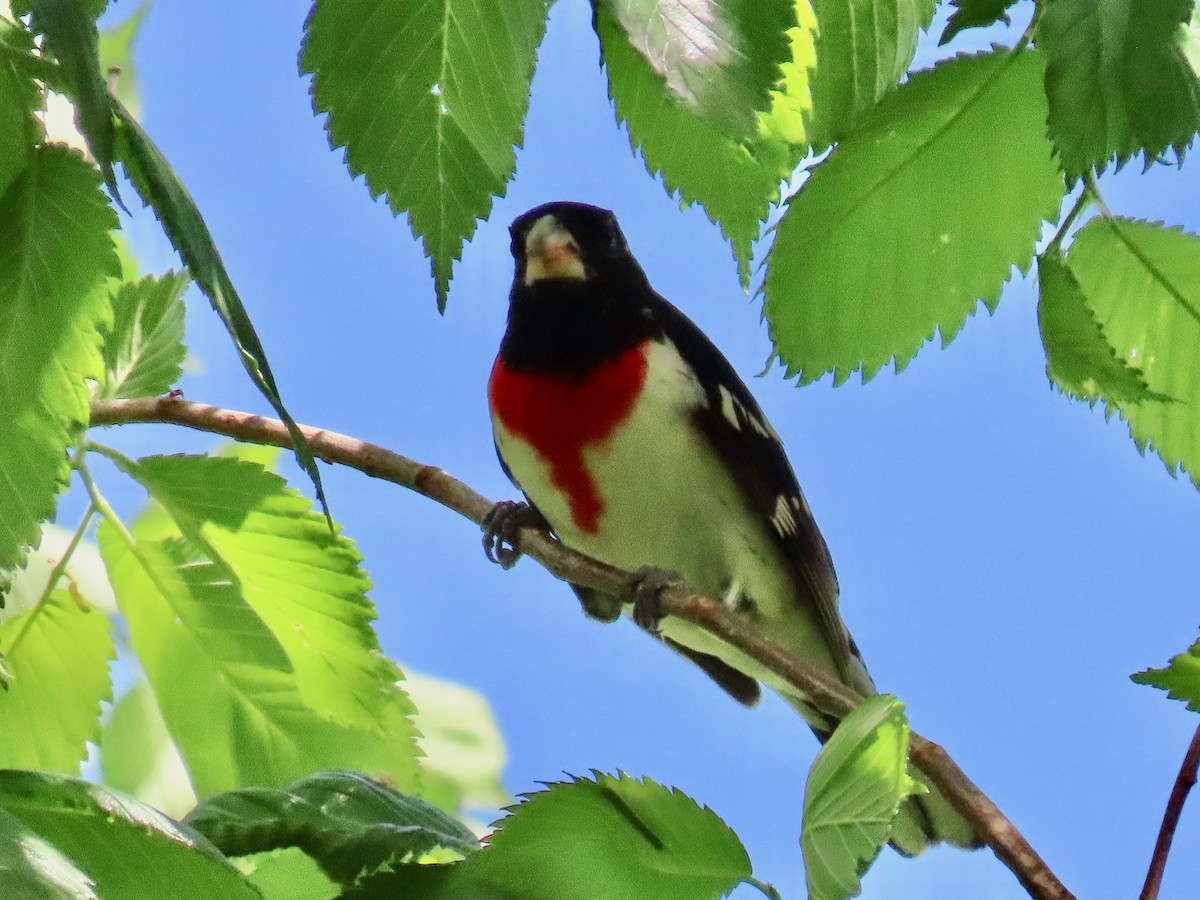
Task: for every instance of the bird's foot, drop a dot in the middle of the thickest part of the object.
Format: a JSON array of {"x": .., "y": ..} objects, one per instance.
[
  {"x": 646, "y": 585},
  {"x": 502, "y": 530}
]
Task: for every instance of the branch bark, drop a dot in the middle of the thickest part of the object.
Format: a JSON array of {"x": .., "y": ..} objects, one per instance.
[
  {"x": 828, "y": 695},
  {"x": 1184, "y": 782}
]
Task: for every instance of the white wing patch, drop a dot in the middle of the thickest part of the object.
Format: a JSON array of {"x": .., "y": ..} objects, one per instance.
[
  {"x": 739, "y": 417},
  {"x": 783, "y": 520}
]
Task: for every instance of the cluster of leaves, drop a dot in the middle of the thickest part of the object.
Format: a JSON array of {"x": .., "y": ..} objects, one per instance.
[
  {"x": 247, "y": 610},
  {"x": 917, "y": 214}
]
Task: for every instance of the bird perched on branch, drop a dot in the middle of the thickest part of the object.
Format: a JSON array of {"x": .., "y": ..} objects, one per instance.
[{"x": 635, "y": 441}]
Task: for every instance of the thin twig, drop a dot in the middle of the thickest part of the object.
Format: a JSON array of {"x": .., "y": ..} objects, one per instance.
[
  {"x": 1183, "y": 783},
  {"x": 824, "y": 692}
]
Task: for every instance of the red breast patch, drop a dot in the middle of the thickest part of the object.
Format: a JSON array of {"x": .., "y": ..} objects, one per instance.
[{"x": 560, "y": 418}]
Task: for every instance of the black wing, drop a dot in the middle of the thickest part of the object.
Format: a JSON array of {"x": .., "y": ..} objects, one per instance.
[{"x": 753, "y": 454}]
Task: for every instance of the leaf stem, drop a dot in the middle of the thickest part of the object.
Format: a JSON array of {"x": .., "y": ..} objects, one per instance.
[
  {"x": 768, "y": 889},
  {"x": 1081, "y": 203},
  {"x": 55, "y": 574},
  {"x": 1183, "y": 784}
]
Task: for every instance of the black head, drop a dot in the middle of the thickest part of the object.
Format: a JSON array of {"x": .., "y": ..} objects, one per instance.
[
  {"x": 564, "y": 241},
  {"x": 578, "y": 297}
]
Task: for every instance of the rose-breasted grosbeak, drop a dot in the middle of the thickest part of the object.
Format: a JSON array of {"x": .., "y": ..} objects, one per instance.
[{"x": 635, "y": 442}]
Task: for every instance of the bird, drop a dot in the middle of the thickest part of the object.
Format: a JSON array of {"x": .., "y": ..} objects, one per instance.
[{"x": 634, "y": 440}]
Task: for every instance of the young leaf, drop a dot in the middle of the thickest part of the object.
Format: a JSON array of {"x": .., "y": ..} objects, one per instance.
[
  {"x": 144, "y": 349},
  {"x": 617, "y": 837},
  {"x": 883, "y": 245},
  {"x": 1079, "y": 358},
  {"x": 138, "y": 757},
  {"x": 19, "y": 97},
  {"x": 1180, "y": 679},
  {"x": 864, "y": 47},
  {"x": 72, "y": 39},
  {"x": 345, "y": 821},
  {"x": 1142, "y": 281},
  {"x": 974, "y": 14},
  {"x": 735, "y": 181},
  {"x": 720, "y": 60},
  {"x": 855, "y": 788},
  {"x": 302, "y": 582},
  {"x": 55, "y": 252},
  {"x": 160, "y": 188},
  {"x": 237, "y": 721},
  {"x": 57, "y": 656},
  {"x": 114, "y": 845},
  {"x": 429, "y": 100},
  {"x": 1118, "y": 80}
]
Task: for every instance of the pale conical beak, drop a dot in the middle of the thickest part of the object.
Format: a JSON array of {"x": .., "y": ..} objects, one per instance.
[{"x": 551, "y": 252}]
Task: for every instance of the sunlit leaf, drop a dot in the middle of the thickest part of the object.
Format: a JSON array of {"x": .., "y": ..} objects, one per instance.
[
  {"x": 435, "y": 131},
  {"x": 1079, "y": 358},
  {"x": 19, "y": 97},
  {"x": 864, "y": 47},
  {"x": 882, "y": 246},
  {"x": 348, "y": 823},
  {"x": 55, "y": 252},
  {"x": 1118, "y": 80},
  {"x": 1142, "y": 282},
  {"x": 1180, "y": 679},
  {"x": 144, "y": 350},
  {"x": 735, "y": 180},
  {"x": 854, "y": 790},
  {"x": 57, "y": 656},
  {"x": 122, "y": 847}
]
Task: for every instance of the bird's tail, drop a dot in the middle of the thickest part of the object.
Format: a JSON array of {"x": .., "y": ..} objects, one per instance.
[{"x": 924, "y": 819}]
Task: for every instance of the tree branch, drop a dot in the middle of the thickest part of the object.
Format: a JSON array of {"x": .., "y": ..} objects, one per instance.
[
  {"x": 1184, "y": 782},
  {"x": 826, "y": 694}
]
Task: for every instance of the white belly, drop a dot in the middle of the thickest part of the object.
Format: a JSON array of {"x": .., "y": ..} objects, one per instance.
[{"x": 670, "y": 502}]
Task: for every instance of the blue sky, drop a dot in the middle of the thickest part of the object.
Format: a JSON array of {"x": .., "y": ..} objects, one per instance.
[{"x": 1006, "y": 558}]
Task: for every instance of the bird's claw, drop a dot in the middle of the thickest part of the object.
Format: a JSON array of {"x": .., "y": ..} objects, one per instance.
[
  {"x": 502, "y": 526},
  {"x": 645, "y": 587}
]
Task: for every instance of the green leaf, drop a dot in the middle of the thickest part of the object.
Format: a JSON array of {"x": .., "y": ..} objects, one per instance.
[
  {"x": 464, "y": 751},
  {"x": 19, "y": 97},
  {"x": 305, "y": 584},
  {"x": 854, "y": 790},
  {"x": 237, "y": 720},
  {"x": 429, "y": 100},
  {"x": 882, "y": 246},
  {"x": 1079, "y": 358},
  {"x": 974, "y": 14},
  {"x": 348, "y": 823},
  {"x": 1180, "y": 679},
  {"x": 72, "y": 39},
  {"x": 122, "y": 847},
  {"x": 864, "y": 47},
  {"x": 160, "y": 188},
  {"x": 138, "y": 757},
  {"x": 1118, "y": 80},
  {"x": 718, "y": 58},
  {"x": 55, "y": 252},
  {"x": 57, "y": 656},
  {"x": 1142, "y": 281},
  {"x": 144, "y": 350},
  {"x": 636, "y": 838},
  {"x": 735, "y": 181},
  {"x": 116, "y": 52}
]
